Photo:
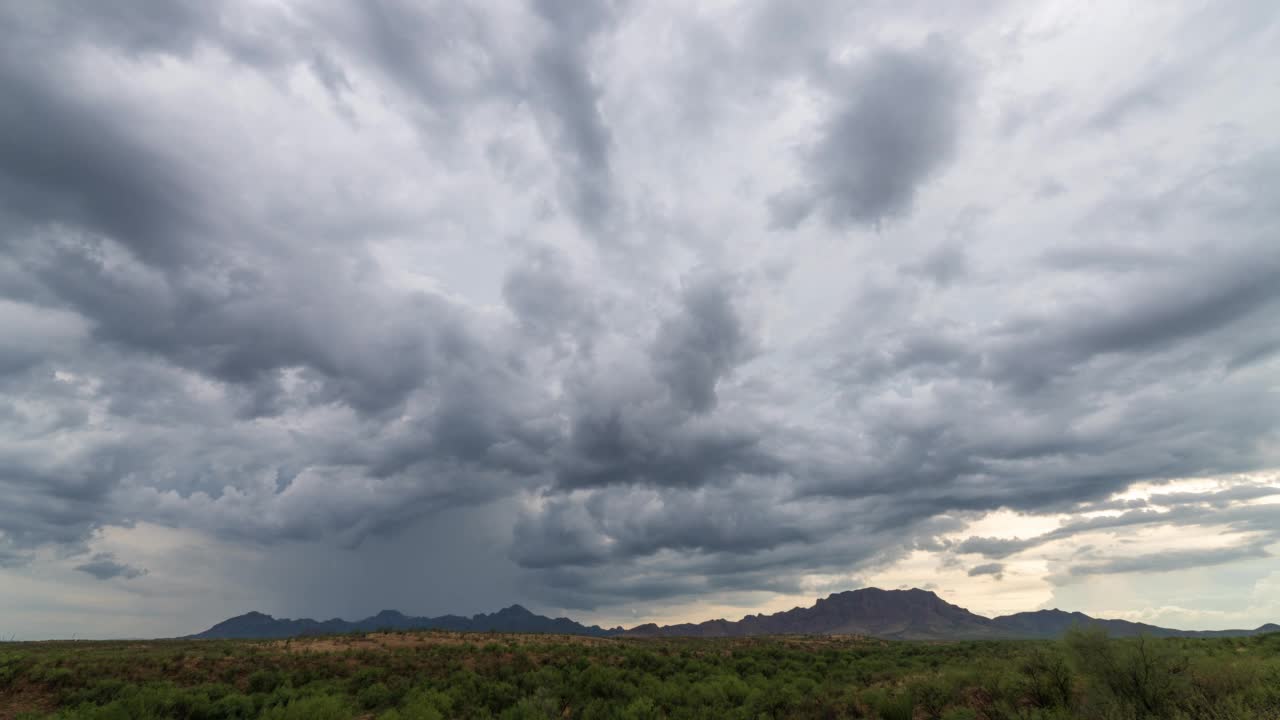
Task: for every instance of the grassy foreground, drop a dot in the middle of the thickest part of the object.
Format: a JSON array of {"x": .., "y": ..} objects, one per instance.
[{"x": 431, "y": 675}]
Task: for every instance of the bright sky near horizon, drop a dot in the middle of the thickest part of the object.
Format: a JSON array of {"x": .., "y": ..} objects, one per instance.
[{"x": 636, "y": 311}]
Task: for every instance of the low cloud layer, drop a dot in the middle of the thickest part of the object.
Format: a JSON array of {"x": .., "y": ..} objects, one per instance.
[
  {"x": 104, "y": 566},
  {"x": 619, "y": 308}
]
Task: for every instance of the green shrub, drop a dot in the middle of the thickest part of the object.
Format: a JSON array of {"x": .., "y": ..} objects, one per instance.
[
  {"x": 1089, "y": 676},
  {"x": 1046, "y": 679},
  {"x": 931, "y": 696},
  {"x": 265, "y": 681},
  {"x": 1141, "y": 677},
  {"x": 319, "y": 707},
  {"x": 11, "y": 666},
  {"x": 375, "y": 696},
  {"x": 642, "y": 708},
  {"x": 422, "y": 705},
  {"x": 235, "y": 707},
  {"x": 890, "y": 706}
]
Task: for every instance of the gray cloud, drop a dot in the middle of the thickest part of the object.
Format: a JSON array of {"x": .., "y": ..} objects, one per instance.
[
  {"x": 995, "y": 570},
  {"x": 549, "y": 303},
  {"x": 696, "y": 348},
  {"x": 12, "y": 559},
  {"x": 1169, "y": 561},
  {"x": 419, "y": 49},
  {"x": 60, "y": 163},
  {"x": 563, "y": 85},
  {"x": 944, "y": 265},
  {"x": 1223, "y": 507},
  {"x": 652, "y": 445},
  {"x": 1149, "y": 95},
  {"x": 104, "y": 566},
  {"x": 622, "y": 525},
  {"x": 993, "y": 547},
  {"x": 897, "y": 127}
]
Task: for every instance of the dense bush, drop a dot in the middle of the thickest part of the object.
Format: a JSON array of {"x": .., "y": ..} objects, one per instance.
[{"x": 438, "y": 676}]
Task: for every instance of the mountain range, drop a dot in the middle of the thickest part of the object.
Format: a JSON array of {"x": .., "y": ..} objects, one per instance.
[
  {"x": 890, "y": 614},
  {"x": 510, "y": 619}
]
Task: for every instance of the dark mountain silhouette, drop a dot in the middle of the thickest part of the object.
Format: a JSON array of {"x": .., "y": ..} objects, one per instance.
[
  {"x": 892, "y": 614},
  {"x": 916, "y": 615},
  {"x": 510, "y": 619},
  {"x": 898, "y": 614},
  {"x": 1053, "y": 623}
]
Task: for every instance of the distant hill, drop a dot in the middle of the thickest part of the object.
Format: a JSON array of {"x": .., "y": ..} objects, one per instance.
[
  {"x": 891, "y": 614},
  {"x": 895, "y": 614},
  {"x": 915, "y": 615},
  {"x": 510, "y": 619},
  {"x": 1053, "y": 623}
]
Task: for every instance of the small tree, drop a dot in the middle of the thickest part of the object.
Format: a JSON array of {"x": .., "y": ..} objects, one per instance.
[
  {"x": 1144, "y": 676},
  {"x": 1046, "y": 678}
]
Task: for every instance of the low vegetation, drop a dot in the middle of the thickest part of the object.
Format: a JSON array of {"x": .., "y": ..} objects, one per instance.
[{"x": 426, "y": 676}]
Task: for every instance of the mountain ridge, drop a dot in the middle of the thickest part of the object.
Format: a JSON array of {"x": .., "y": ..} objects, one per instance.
[
  {"x": 908, "y": 614},
  {"x": 514, "y": 618}
]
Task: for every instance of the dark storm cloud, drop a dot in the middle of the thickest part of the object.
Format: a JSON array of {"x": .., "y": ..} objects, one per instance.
[
  {"x": 653, "y": 423},
  {"x": 779, "y": 545},
  {"x": 60, "y": 501},
  {"x": 65, "y": 160},
  {"x": 104, "y": 566},
  {"x": 612, "y": 444},
  {"x": 1177, "y": 316},
  {"x": 896, "y": 126},
  {"x": 586, "y": 590},
  {"x": 113, "y": 223},
  {"x": 697, "y": 347},
  {"x": 70, "y": 163},
  {"x": 260, "y": 323},
  {"x": 621, "y": 525}
]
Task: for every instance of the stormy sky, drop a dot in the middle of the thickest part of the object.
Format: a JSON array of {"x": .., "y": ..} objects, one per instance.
[{"x": 636, "y": 311}]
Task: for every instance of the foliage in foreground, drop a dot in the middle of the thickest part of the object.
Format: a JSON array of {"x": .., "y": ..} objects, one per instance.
[{"x": 1086, "y": 675}]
